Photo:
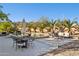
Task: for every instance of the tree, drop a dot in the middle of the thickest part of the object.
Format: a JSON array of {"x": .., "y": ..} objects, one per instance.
[
  {"x": 23, "y": 27},
  {"x": 68, "y": 24},
  {"x": 5, "y": 26},
  {"x": 59, "y": 25},
  {"x": 52, "y": 25},
  {"x": 43, "y": 23},
  {"x": 32, "y": 25},
  {"x": 1, "y": 8},
  {"x": 3, "y": 16}
]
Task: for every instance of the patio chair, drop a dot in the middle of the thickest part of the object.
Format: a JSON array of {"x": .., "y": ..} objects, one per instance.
[
  {"x": 18, "y": 42},
  {"x": 14, "y": 40},
  {"x": 24, "y": 42},
  {"x": 30, "y": 41},
  {"x": 21, "y": 43}
]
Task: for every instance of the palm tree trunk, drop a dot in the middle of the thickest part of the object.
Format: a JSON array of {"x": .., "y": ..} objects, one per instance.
[
  {"x": 69, "y": 33},
  {"x": 54, "y": 30}
]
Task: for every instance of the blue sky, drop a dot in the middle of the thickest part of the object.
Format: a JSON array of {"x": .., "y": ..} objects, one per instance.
[{"x": 33, "y": 11}]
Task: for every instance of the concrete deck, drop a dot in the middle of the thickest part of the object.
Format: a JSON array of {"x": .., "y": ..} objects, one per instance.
[{"x": 38, "y": 47}]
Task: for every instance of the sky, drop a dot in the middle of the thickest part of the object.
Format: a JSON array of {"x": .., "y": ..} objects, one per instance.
[{"x": 33, "y": 11}]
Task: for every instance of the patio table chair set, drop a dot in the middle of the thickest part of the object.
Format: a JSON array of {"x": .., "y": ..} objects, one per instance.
[{"x": 22, "y": 41}]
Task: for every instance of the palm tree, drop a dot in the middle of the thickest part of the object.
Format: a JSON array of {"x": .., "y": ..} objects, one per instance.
[
  {"x": 59, "y": 25},
  {"x": 41, "y": 26},
  {"x": 1, "y": 8},
  {"x": 68, "y": 24},
  {"x": 23, "y": 26},
  {"x": 3, "y": 16},
  {"x": 52, "y": 25},
  {"x": 32, "y": 25},
  {"x": 43, "y": 23}
]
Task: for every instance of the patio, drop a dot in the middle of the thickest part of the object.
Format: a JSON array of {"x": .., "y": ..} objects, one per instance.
[{"x": 39, "y": 46}]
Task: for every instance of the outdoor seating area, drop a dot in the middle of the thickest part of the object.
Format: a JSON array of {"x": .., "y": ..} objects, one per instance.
[{"x": 20, "y": 41}]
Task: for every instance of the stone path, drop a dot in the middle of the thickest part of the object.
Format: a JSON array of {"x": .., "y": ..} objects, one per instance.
[{"x": 40, "y": 46}]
